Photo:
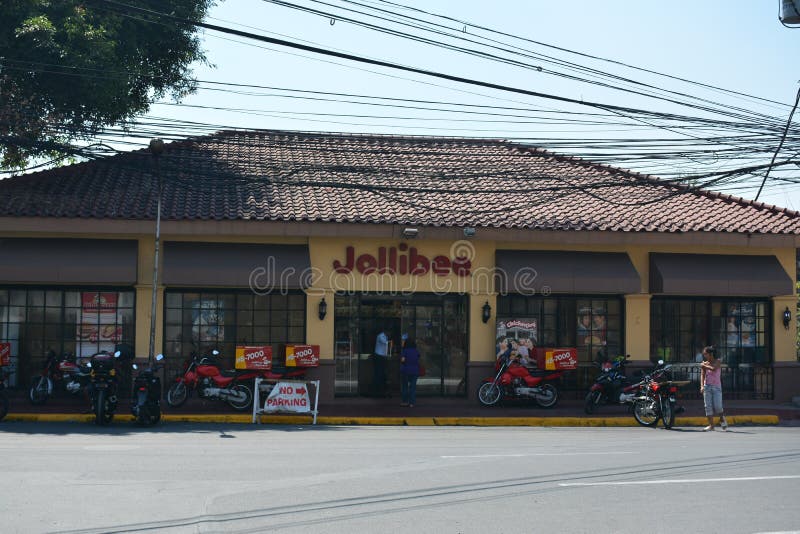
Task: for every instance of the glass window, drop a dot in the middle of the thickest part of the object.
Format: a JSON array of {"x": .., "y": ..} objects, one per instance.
[
  {"x": 173, "y": 300},
  {"x": 202, "y": 322},
  {"x": 588, "y": 324},
  {"x": 78, "y": 321},
  {"x": 680, "y": 328}
]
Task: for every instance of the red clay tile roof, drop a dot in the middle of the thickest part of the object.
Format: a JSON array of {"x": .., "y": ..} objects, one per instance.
[{"x": 288, "y": 176}]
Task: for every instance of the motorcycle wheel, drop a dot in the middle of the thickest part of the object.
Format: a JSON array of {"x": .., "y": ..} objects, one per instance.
[
  {"x": 248, "y": 398},
  {"x": 3, "y": 405},
  {"x": 489, "y": 394},
  {"x": 645, "y": 411},
  {"x": 667, "y": 413},
  {"x": 592, "y": 402},
  {"x": 148, "y": 416},
  {"x": 40, "y": 390},
  {"x": 177, "y": 394},
  {"x": 549, "y": 396},
  {"x": 100, "y": 407}
]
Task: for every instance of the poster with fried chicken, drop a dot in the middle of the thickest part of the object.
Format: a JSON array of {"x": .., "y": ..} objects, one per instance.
[{"x": 98, "y": 328}]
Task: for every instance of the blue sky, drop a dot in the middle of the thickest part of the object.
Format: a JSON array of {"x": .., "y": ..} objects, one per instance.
[{"x": 738, "y": 45}]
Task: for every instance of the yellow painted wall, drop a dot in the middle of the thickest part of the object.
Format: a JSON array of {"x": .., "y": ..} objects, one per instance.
[
  {"x": 144, "y": 296},
  {"x": 637, "y": 326},
  {"x": 479, "y": 285},
  {"x": 785, "y": 350}
]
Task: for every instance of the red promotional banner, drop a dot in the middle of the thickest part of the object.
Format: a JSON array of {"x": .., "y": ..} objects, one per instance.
[
  {"x": 254, "y": 357},
  {"x": 99, "y": 302},
  {"x": 554, "y": 359},
  {"x": 302, "y": 355},
  {"x": 5, "y": 354}
]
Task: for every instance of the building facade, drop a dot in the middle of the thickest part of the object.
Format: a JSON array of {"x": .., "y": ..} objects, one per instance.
[{"x": 459, "y": 244}]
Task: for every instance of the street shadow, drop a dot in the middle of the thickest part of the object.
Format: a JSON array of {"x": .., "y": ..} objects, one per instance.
[{"x": 129, "y": 428}]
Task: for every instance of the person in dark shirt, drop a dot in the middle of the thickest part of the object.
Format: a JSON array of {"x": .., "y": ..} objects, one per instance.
[{"x": 409, "y": 373}]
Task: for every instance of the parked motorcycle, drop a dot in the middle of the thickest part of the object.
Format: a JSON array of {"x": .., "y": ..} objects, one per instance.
[
  {"x": 656, "y": 398},
  {"x": 103, "y": 386},
  {"x": 4, "y": 374},
  {"x": 514, "y": 381},
  {"x": 210, "y": 382},
  {"x": 146, "y": 400},
  {"x": 67, "y": 371},
  {"x": 608, "y": 385}
]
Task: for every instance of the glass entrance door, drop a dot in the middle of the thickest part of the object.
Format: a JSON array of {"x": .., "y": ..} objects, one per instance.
[
  {"x": 436, "y": 323},
  {"x": 423, "y": 324}
]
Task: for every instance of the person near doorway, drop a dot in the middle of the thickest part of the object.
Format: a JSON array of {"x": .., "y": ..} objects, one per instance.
[
  {"x": 379, "y": 358},
  {"x": 409, "y": 373}
]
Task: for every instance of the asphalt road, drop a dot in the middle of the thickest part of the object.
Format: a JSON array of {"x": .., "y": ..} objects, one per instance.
[{"x": 240, "y": 478}]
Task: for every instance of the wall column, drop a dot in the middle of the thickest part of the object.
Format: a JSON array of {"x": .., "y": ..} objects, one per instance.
[
  {"x": 785, "y": 350},
  {"x": 144, "y": 296},
  {"x": 786, "y": 368},
  {"x": 637, "y": 326}
]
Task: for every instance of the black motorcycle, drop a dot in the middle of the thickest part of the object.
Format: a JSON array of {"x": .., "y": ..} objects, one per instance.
[
  {"x": 103, "y": 386},
  {"x": 608, "y": 385},
  {"x": 146, "y": 406}
]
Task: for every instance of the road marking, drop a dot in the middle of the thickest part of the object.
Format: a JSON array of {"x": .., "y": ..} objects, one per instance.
[
  {"x": 536, "y": 454},
  {"x": 679, "y": 481}
]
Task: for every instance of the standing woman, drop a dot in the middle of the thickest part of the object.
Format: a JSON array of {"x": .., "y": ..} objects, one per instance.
[
  {"x": 409, "y": 372},
  {"x": 711, "y": 387}
]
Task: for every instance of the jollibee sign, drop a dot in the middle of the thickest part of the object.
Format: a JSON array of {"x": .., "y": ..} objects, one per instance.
[
  {"x": 401, "y": 259},
  {"x": 254, "y": 357},
  {"x": 5, "y": 354},
  {"x": 302, "y": 355}
]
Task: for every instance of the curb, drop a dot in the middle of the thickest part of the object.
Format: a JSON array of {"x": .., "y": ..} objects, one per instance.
[{"x": 398, "y": 421}]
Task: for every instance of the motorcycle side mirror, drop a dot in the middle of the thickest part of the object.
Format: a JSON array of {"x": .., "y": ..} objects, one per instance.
[
  {"x": 215, "y": 352},
  {"x": 135, "y": 367},
  {"x": 117, "y": 354},
  {"x": 159, "y": 357}
]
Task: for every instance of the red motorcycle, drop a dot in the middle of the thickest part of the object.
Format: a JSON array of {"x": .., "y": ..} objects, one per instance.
[
  {"x": 654, "y": 398},
  {"x": 514, "y": 381},
  {"x": 211, "y": 382},
  {"x": 72, "y": 374}
]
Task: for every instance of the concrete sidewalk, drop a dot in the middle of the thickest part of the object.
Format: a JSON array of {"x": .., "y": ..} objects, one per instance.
[{"x": 434, "y": 411}]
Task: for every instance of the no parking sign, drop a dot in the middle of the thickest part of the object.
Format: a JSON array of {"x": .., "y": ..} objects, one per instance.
[{"x": 288, "y": 397}]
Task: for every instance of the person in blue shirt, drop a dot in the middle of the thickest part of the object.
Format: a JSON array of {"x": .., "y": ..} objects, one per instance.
[
  {"x": 379, "y": 358},
  {"x": 409, "y": 373}
]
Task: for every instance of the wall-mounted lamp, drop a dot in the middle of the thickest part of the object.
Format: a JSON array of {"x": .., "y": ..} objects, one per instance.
[
  {"x": 487, "y": 312},
  {"x": 323, "y": 309},
  {"x": 787, "y": 318},
  {"x": 469, "y": 232},
  {"x": 410, "y": 233}
]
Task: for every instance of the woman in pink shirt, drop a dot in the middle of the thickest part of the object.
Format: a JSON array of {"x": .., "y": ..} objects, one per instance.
[{"x": 711, "y": 388}]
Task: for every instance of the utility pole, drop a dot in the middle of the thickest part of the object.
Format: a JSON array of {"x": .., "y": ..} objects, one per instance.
[{"x": 156, "y": 149}]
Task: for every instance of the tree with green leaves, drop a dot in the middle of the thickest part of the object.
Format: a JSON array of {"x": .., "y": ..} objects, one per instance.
[{"x": 68, "y": 68}]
